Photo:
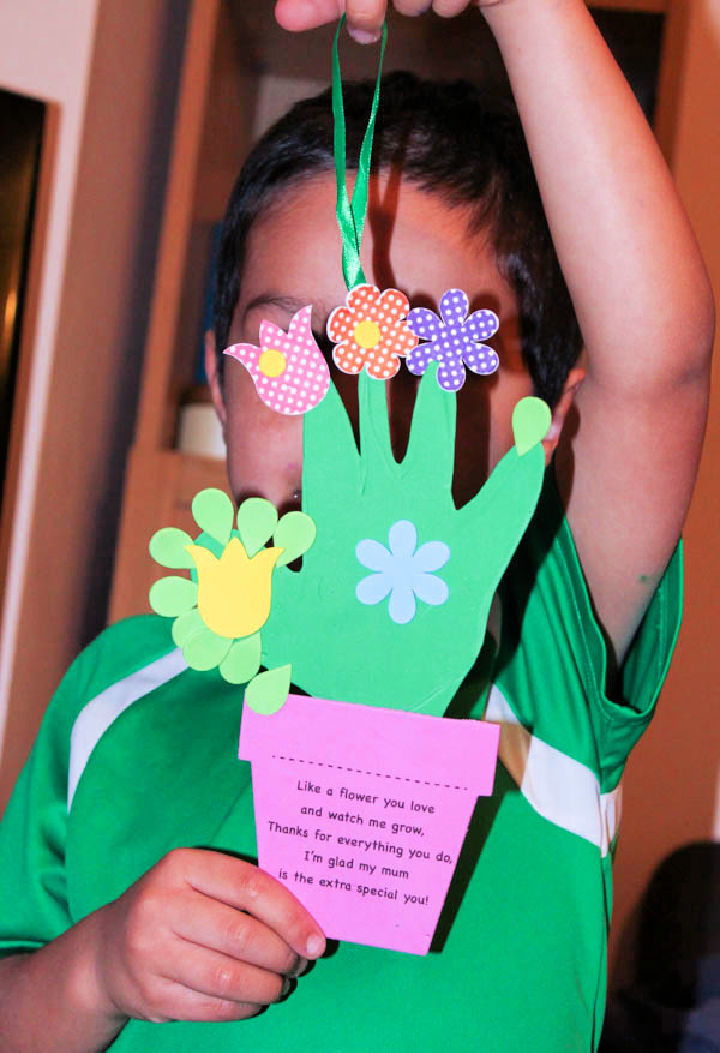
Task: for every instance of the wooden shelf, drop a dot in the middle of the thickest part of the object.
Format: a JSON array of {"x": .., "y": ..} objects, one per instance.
[{"x": 160, "y": 487}]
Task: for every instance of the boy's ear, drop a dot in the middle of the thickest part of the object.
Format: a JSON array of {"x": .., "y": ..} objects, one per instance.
[
  {"x": 211, "y": 372},
  {"x": 574, "y": 380}
]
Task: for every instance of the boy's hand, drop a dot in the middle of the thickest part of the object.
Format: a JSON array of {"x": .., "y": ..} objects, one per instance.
[
  {"x": 201, "y": 936},
  {"x": 365, "y": 17}
]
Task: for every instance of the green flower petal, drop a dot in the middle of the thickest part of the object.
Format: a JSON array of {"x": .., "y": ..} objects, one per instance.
[
  {"x": 531, "y": 420},
  {"x": 205, "y": 649},
  {"x": 256, "y": 520},
  {"x": 268, "y": 692},
  {"x": 214, "y": 513},
  {"x": 172, "y": 596},
  {"x": 167, "y": 547},
  {"x": 295, "y": 533},
  {"x": 186, "y": 626},
  {"x": 242, "y": 660}
]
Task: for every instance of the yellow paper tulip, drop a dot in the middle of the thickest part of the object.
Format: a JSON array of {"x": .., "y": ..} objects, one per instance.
[{"x": 234, "y": 591}]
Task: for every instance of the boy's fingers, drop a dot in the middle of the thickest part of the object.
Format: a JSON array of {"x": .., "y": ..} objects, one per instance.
[
  {"x": 298, "y": 15},
  {"x": 221, "y": 977},
  {"x": 412, "y": 8},
  {"x": 449, "y": 8},
  {"x": 365, "y": 19},
  {"x": 214, "y": 925},
  {"x": 178, "y": 1002},
  {"x": 246, "y": 887}
]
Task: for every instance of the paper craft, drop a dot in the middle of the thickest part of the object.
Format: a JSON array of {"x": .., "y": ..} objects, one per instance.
[
  {"x": 220, "y": 611},
  {"x": 414, "y": 652},
  {"x": 370, "y": 332},
  {"x": 288, "y": 369},
  {"x": 531, "y": 422},
  {"x": 233, "y": 597},
  {"x": 403, "y": 571},
  {"x": 268, "y": 692},
  {"x": 362, "y": 804},
  {"x": 454, "y": 340},
  {"x": 362, "y": 812}
]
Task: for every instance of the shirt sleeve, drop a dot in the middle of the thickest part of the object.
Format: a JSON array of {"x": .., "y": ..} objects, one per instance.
[
  {"x": 33, "y": 832},
  {"x": 33, "y": 906},
  {"x": 554, "y": 652}
]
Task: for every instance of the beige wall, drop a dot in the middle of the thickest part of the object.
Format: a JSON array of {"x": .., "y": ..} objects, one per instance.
[
  {"x": 109, "y": 68},
  {"x": 45, "y": 51},
  {"x": 671, "y": 786},
  {"x": 276, "y": 94}
]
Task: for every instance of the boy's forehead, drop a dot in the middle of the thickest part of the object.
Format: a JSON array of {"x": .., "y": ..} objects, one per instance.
[{"x": 413, "y": 241}]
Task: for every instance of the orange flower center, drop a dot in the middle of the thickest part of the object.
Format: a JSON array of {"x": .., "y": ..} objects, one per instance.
[
  {"x": 271, "y": 363},
  {"x": 367, "y": 334}
]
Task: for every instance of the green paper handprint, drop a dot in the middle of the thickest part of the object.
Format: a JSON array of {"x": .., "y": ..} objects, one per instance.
[{"x": 406, "y": 634}]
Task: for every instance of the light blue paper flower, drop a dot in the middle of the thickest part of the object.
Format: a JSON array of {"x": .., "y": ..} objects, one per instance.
[{"x": 402, "y": 571}]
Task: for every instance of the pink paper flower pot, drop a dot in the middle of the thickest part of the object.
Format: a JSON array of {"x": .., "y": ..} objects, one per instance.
[{"x": 361, "y": 812}]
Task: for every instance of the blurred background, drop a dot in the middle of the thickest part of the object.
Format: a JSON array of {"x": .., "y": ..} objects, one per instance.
[{"x": 122, "y": 126}]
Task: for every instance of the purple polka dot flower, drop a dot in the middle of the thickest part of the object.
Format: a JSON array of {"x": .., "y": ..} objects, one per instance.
[{"x": 453, "y": 339}]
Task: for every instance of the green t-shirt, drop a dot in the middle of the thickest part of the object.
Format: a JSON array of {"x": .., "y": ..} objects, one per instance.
[{"x": 146, "y": 751}]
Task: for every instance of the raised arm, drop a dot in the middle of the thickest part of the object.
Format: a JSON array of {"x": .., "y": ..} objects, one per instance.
[
  {"x": 641, "y": 294},
  {"x": 636, "y": 278}
]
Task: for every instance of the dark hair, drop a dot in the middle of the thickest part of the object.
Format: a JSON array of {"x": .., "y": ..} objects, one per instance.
[{"x": 451, "y": 139}]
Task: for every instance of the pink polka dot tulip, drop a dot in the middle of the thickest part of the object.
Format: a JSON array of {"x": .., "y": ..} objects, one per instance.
[{"x": 289, "y": 371}]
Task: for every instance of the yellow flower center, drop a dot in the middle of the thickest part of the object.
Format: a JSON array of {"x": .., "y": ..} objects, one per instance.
[
  {"x": 367, "y": 334},
  {"x": 272, "y": 363}
]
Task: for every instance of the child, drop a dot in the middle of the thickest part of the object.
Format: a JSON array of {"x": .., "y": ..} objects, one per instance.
[{"x": 126, "y": 925}]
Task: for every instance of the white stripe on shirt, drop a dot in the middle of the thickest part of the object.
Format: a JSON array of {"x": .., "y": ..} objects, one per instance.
[
  {"x": 557, "y": 787},
  {"x": 96, "y": 717},
  {"x": 561, "y": 789}
]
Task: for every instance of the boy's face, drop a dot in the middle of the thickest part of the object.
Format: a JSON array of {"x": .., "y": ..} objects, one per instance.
[{"x": 414, "y": 242}]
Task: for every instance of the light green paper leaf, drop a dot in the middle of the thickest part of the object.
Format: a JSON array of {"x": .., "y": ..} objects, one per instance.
[
  {"x": 214, "y": 513},
  {"x": 172, "y": 596},
  {"x": 295, "y": 533},
  {"x": 186, "y": 625},
  {"x": 242, "y": 660},
  {"x": 167, "y": 547},
  {"x": 268, "y": 692},
  {"x": 205, "y": 650},
  {"x": 531, "y": 421},
  {"x": 256, "y": 520}
]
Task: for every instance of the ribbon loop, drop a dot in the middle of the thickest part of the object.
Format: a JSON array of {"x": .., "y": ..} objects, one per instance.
[{"x": 351, "y": 214}]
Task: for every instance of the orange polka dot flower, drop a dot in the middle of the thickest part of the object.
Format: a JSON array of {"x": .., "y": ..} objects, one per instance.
[{"x": 370, "y": 332}]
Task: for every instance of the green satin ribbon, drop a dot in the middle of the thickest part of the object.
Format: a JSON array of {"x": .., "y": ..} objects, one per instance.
[{"x": 351, "y": 214}]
